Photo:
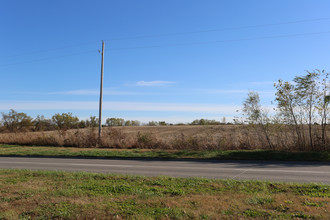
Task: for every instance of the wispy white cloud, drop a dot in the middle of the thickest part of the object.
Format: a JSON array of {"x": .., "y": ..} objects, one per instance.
[
  {"x": 254, "y": 84},
  {"x": 236, "y": 91},
  {"x": 170, "y": 119},
  {"x": 93, "y": 92},
  {"x": 81, "y": 92},
  {"x": 76, "y": 92},
  {"x": 224, "y": 91},
  {"x": 179, "y": 119},
  {"x": 154, "y": 83},
  {"x": 119, "y": 106},
  {"x": 262, "y": 83}
]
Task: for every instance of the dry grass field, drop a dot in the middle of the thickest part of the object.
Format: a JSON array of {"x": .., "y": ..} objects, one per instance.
[{"x": 211, "y": 137}]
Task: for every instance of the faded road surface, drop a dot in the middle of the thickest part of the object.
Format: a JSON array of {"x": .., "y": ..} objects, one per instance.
[{"x": 239, "y": 170}]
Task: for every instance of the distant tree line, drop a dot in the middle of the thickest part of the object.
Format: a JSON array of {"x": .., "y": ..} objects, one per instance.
[
  {"x": 121, "y": 122},
  {"x": 14, "y": 121},
  {"x": 209, "y": 122},
  {"x": 20, "y": 122}
]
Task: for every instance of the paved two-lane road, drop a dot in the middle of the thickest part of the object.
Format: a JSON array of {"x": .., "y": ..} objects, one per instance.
[{"x": 240, "y": 170}]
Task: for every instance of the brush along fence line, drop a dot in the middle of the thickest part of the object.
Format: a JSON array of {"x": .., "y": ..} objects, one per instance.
[{"x": 222, "y": 137}]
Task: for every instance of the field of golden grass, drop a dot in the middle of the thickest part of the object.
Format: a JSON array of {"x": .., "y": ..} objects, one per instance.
[{"x": 211, "y": 137}]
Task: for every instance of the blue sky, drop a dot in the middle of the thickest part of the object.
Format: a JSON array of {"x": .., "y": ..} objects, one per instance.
[{"x": 173, "y": 60}]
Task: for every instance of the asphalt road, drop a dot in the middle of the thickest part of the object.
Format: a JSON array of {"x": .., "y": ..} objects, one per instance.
[{"x": 239, "y": 170}]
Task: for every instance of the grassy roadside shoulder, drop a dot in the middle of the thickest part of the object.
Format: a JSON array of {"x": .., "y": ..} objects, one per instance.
[
  {"x": 61, "y": 195},
  {"x": 16, "y": 150}
]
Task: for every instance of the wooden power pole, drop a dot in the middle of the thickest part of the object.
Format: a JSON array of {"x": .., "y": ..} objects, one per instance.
[{"x": 101, "y": 91}]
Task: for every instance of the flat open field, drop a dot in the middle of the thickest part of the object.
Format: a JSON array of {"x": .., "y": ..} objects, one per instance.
[
  {"x": 128, "y": 137},
  {"x": 61, "y": 195},
  {"x": 210, "y": 137}
]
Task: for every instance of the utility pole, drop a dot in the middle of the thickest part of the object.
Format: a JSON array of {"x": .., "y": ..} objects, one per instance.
[{"x": 101, "y": 92}]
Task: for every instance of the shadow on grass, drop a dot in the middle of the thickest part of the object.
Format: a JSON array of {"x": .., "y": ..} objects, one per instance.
[
  {"x": 205, "y": 155},
  {"x": 275, "y": 155},
  {"x": 239, "y": 157}
]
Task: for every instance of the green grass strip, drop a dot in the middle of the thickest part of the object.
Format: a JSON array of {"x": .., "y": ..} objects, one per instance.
[
  {"x": 16, "y": 150},
  {"x": 28, "y": 194}
]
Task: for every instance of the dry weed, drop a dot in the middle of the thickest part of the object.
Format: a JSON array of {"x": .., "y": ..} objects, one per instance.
[{"x": 221, "y": 137}]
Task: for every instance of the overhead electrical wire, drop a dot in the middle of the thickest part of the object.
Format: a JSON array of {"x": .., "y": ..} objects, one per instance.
[
  {"x": 178, "y": 44},
  {"x": 49, "y": 58},
  {"x": 220, "y": 30},
  {"x": 175, "y": 44},
  {"x": 52, "y": 49},
  {"x": 174, "y": 34},
  {"x": 221, "y": 41}
]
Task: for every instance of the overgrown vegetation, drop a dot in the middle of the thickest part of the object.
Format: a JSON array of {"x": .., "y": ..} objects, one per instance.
[
  {"x": 212, "y": 137},
  {"x": 15, "y": 150},
  {"x": 302, "y": 106},
  {"x": 298, "y": 103},
  {"x": 61, "y": 195},
  {"x": 14, "y": 121}
]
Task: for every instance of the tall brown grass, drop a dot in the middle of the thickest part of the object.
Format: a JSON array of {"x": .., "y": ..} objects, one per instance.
[{"x": 215, "y": 137}]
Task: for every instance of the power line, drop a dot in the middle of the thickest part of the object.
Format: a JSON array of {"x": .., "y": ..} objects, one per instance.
[
  {"x": 220, "y": 30},
  {"x": 173, "y": 34},
  {"x": 180, "y": 44},
  {"x": 221, "y": 41},
  {"x": 52, "y": 49},
  {"x": 48, "y": 58}
]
